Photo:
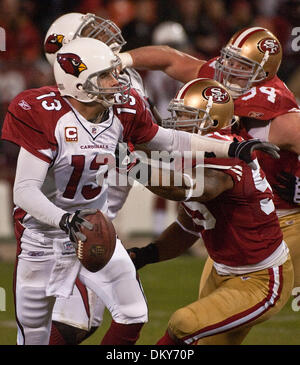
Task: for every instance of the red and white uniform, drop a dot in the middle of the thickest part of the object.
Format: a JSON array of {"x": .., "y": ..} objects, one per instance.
[
  {"x": 240, "y": 228},
  {"x": 257, "y": 108},
  {"x": 70, "y": 144},
  {"x": 44, "y": 124},
  {"x": 84, "y": 309}
]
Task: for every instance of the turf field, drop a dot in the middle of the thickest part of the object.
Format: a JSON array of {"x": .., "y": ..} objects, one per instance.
[{"x": 168, "y": 286}]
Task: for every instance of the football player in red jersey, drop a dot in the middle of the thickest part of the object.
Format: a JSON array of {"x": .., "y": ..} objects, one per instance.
[
  {"x": 267, "y": 109},
  {"x": 61, "y": 131},
  {"x": 252, "y": 276}
]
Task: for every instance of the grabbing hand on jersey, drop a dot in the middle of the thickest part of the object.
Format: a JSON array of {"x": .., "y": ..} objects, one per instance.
[
  {"x": 243, "y": 150},
  {"x": 70, "y": 223},
  {"x": 288, "y": 187}
]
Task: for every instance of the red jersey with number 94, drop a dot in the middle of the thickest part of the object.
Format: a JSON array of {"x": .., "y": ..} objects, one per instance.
[{"x": 265, "y": 101}]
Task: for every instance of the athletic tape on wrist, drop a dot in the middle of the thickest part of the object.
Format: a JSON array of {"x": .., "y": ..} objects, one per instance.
[{"x": 126, "y": 59}]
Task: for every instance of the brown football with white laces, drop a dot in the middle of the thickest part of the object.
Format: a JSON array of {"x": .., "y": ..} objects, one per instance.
[{"x": 97, "y": 250}]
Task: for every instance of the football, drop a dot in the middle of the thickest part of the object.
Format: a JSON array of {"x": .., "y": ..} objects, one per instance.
[{"x": 97, "y": 250}]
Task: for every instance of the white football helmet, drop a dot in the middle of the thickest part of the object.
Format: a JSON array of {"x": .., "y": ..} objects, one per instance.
[
  {"x": 201, "y": 105},
  {"x": 74, "y": 25},
  {"x": 252, "y": 55},
  {"x": 78, "y": 69}
]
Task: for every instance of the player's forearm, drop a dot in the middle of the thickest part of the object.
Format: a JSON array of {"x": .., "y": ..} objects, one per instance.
[
  {"x": 169, "y": 245},
  {"x": 173, "y": 242},
  {"x": 27, "y": 194},
  {"x": 176, "y": 64},
  {"x": 173, "y": 140}
]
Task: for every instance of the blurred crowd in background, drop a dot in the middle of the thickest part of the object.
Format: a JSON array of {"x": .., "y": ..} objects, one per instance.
[{"x": 207, "y": 25}]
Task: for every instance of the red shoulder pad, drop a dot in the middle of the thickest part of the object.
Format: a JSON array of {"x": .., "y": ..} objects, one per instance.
[
  {"x": 137, "y": 120},
  {"x": 31, "y": 120},
  {"x": 207, "y": 70}
]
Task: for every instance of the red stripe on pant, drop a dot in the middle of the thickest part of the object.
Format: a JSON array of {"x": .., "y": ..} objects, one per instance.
[{"x": 241, "y": 318}]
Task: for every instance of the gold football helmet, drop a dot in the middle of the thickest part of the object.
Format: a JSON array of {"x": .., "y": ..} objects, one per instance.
[
  {"x": 201, "y": 105},
  {"x": 252, "y": 55}
]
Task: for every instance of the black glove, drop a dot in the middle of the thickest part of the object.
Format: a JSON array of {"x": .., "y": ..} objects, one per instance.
[
  {"x": 144, "y": 255},
  {"x": 243, "y": 150},
  {"x": 71, "y": 222},
  {"x": 288, "y": 187}
]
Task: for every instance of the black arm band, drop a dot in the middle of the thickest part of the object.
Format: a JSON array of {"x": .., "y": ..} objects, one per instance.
[{"x": 149, "y": 254}]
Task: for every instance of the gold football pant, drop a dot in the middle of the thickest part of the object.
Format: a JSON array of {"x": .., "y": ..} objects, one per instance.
[
  {"x": 290, "y": 226},
  {"x": 230, "y": 305}
]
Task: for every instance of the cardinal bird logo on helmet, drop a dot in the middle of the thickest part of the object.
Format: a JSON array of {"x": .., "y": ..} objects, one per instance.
[
  {"x": 71, "y": 63},
  {"x": 53, "y": 43}
]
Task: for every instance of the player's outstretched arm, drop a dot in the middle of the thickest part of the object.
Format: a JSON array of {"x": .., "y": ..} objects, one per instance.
[
  {"x": 178, "y": 65},
  {"x": 287, "y": 137},
  {"x": 178, "y": 237},
  {"x": 200, "y": 184},
  {"x": 174, "y": 140},
  {"x": 173, "y": 242}
]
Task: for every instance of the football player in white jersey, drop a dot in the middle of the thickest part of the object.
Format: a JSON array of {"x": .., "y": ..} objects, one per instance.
[
  {"x": 61, "y": 131},
  {"x": 75, "y": 318}
]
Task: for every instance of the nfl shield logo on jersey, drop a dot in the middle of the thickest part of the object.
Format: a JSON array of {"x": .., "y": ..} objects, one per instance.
[{"x": 71, "y": 134}]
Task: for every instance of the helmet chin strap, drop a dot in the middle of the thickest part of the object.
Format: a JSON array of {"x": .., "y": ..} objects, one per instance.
[
  {"x": 206, "y": 115},
  {"x": 260, "y": 67}
]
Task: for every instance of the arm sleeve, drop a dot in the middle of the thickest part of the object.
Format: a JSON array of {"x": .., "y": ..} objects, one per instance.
[
  {"x": 30, "y": 175},
  {"x": 174, "y": 140},
  {"x": 117, "y": 196}
]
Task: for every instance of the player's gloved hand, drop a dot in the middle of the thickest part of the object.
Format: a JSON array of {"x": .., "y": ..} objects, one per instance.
[
  {"x": 243, "y": 150},
  {"x": 71, "y": 222},
  {"x": 288, "y": 187},
  {"x": 144, "y": 255}
]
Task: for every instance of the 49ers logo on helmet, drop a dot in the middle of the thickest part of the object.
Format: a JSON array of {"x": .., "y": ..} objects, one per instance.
[
  {"x": 269, "y": 44},
  {"x": 53, "y": 43},
  {"x": 71, "y": 63},
  {"x": 219, "y": 95}
]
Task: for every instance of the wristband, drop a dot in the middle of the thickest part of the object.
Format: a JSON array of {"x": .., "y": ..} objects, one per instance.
[
  {"x": 150, "y": 253},
  {"x": 126, "y": 59}
]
